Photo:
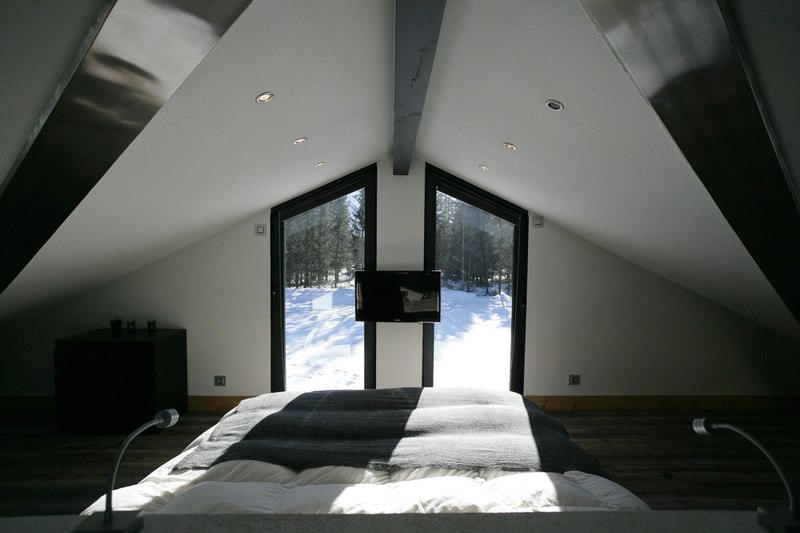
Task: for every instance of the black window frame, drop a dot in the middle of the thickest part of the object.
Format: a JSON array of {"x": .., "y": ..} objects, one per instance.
[
  {"x": 365, "y": 178},
  {"x": 439, "y": 180}
]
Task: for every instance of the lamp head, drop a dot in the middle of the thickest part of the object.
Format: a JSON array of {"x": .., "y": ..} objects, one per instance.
[
  {"x": 166, "y": 418},
  {"x": 701, "y": 427}
]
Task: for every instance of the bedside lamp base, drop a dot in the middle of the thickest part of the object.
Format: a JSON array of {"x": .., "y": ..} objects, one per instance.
[{"x": 121, "y": 522}]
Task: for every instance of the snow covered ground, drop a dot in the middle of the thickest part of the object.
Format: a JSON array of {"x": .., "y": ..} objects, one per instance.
[{"x": 324, "y": 343}]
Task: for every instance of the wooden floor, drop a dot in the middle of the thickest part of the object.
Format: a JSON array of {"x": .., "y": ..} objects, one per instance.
[
  {"x": 659, "y": 458},
  {"x": 654, "y": 454}
]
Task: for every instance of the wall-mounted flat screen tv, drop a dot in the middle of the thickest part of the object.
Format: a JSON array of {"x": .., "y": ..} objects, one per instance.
[{"x": 398, "y": 296}]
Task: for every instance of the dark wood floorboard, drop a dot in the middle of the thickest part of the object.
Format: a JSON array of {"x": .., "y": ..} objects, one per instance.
[
  {"x": 657, "y": 456},
  {"x": 43, "y": 471},
  {"x": 654, "y": 454}
]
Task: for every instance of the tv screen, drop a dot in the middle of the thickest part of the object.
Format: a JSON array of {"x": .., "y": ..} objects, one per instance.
[{"x": 398, "y": 296}]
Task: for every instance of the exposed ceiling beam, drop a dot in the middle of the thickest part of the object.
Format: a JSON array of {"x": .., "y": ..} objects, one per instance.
[
  {"x": 682, "y": 57},
  {"x": 139, "y": 54},
  {"x": 417, "y": 24}
]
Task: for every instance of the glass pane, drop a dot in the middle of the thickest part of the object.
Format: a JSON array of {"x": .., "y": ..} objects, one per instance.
[
  {"x": 474, "y": 251},
  {"x": 324, "y": 343}
]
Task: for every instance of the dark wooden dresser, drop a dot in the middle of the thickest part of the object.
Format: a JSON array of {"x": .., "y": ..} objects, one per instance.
[{"x": 117, "y": 382}]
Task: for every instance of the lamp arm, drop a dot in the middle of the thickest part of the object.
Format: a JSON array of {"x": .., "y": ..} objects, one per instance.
[
  {"x": 789, "y": 491},
  {"x": 107, "y": 516}
]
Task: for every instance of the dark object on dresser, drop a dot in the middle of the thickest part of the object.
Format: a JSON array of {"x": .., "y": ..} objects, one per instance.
[{"x": 107, "y": 382}]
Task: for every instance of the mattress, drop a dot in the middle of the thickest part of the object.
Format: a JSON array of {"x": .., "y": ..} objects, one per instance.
[{"x": 205, "y": 479}]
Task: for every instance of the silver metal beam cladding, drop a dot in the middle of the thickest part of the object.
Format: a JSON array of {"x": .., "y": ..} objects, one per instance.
[
  {"x": 141, "y": 54},
  {"x": 684, "y": 60}
]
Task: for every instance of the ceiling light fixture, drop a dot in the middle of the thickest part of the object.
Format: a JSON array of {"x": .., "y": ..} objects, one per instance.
[
  {"x": 510, "y": 147},
  {"x": 300, "y": 140},
  {"x": 264, "y": 97},
  {"x": 321, "y": 163},
  {"x": 483, "y": 167},
  {"x": 555, "y": 105}
]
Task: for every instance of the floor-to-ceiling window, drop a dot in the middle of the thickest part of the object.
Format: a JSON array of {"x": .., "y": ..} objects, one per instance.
[
  {"x": 479, "y": 242},
  {"x": 318, "y": 241}
]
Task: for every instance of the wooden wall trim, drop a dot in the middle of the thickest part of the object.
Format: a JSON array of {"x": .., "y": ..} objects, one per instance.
[
  {"x": 214, "y": 403},
  {"x": 665, "y": 403},
  {"x": 46, "y": 404},
  {"x": 26, "y": 405}
]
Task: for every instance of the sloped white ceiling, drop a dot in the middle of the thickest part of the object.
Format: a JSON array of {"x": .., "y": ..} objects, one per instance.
[
  {"x": 213, "y": 156},
  {"x": 604, "y": 167}
]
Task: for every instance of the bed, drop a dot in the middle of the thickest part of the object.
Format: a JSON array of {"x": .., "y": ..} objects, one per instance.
[{"x": 401, "y": 450}]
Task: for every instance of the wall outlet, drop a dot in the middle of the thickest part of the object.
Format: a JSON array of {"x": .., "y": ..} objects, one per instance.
[
  {"x": 219, "y": 381},
  {"x": 574, "y": 379}
]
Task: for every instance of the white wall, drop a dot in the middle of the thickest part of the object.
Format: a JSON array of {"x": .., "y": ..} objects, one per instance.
[
  {"x": 400, "y": 232},
  {"x": 628, "y": 331},
  {"x": 218, "y": 289},
  {"x": 625, "y": 330}
]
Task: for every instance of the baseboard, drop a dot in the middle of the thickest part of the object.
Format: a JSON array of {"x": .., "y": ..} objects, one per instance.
[
  {"x": 26, "y": 405},
  {"x": 214, "y": 403},
  {"x": 666, "y": 403},
  {"x": 46, "y": 405}
]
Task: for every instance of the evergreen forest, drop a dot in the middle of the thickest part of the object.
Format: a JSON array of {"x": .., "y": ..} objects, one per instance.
[{"x": 325, "y": 246}]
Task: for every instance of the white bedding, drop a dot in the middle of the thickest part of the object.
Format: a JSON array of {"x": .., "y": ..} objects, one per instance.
[{"x": 256, "y": 487}]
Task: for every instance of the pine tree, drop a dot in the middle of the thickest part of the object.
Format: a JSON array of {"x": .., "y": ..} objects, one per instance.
[
  {"x": 338, "y": 235},
  {"x": 358, "y": 226},
  {"x": 473, "y": 247}
]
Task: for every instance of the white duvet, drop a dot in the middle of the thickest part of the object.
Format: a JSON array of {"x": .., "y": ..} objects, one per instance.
[{"x": 257, "y": 487}]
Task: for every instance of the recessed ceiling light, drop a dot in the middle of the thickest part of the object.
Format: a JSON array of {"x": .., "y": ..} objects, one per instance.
[
  {"x": 483, "y": 167},
  {"x": 264, "y": 97},
  {"x": 300, "y": 140},
  {"x": 510, "y": 147},
  {"x": 321, "y": 163},
  {"x": 555, "y": 105}
]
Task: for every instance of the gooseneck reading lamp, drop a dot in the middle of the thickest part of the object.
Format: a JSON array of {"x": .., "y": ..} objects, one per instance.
[
  {"x": 124, "y": 521},
  {"x": 775, "y": 518}
]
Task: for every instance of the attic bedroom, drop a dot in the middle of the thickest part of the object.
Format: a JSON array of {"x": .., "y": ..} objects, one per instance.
[{"x": 654, "y": 165}]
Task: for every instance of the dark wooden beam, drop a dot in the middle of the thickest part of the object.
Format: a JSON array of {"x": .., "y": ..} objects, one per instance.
[
  {"x": 417, "y": 24},
  {"x": 684, "y": 59},
  {"x": 107, "y": 100}
]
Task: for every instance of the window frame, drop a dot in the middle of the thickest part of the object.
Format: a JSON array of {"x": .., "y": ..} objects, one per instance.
[
  {"x": 365, "y": 178},
  {"x": 439, "y": 180}
]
